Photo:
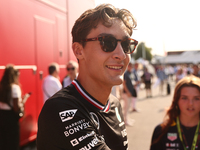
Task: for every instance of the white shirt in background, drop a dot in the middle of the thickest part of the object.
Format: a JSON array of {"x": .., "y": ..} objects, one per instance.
[{"x": 51, "y": 85}]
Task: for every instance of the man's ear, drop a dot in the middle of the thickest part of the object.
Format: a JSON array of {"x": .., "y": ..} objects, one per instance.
[{"x": 78, "y": 50}]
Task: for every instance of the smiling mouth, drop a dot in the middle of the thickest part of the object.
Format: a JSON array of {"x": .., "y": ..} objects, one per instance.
[
  {"x": 190, "y": 109},
  {"x": 115, "y": 67}
]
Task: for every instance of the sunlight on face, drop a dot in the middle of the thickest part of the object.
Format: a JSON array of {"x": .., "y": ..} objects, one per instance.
[{"x": 106, "y": 67}]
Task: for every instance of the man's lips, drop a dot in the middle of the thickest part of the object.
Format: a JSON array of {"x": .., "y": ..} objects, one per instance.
[{"x": 115, "y": 67}]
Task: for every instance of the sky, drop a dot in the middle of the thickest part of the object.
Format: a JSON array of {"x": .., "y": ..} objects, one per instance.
[{"x": 164, "y": 25}]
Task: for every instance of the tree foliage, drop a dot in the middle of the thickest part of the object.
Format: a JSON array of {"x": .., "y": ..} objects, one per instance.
[{"x": 140, "y": 54}]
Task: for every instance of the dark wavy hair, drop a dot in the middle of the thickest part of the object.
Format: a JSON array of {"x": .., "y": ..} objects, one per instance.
[
  {"x": 9, "y": 77},
  {"x": 174, "y": 111},
  {"x": 103, "y": 13}
]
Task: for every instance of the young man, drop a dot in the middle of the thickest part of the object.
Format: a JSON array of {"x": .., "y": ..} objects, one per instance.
[{"x": 85, "y": 115}]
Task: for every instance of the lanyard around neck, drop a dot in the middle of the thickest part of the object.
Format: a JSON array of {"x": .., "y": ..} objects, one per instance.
[{"x": 180, "y": 132}]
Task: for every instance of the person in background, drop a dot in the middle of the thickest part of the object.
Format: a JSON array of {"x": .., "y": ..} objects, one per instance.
[
  {"x": 161, "y": 77},
  {"x": 136, "y": 77},
  {"x": 180, "y": 74},
  {"x": 136, "y": 83},
  {"x": 72, "y": 70},
  {"x": 129, "y": 94},
  {"x": 146, "y": 77},
  {"x": 10, "y": 105},
  {"x": 51, "y": 83},
  {"x": 171, "y": 72},
  {"x": 180, "y": 128},
  {"x": 85, "y": 115},
  {"x": 196, "y": 70}
]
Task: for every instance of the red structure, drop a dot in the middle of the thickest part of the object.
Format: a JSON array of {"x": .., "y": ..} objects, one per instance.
[{"x": 34, "y": 33}]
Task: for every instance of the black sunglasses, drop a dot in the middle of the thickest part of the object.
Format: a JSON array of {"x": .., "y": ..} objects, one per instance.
[
  {"x": 68, "y": 69},
  {"x": 109, "y": 43}
]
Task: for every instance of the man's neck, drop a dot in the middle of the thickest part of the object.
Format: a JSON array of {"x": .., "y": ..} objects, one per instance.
[{"x": 96, "y": 89}]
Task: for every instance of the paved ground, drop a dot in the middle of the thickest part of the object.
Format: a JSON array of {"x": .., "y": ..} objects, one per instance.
[{"x": 152, "y": 113}]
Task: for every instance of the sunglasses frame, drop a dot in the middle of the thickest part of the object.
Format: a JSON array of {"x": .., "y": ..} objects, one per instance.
[
  {"x": 100, "y": 39},
  {"x": 73, "y": 68}
]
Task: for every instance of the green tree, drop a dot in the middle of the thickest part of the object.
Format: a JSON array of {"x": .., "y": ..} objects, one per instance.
[{"x": 146, "y": 54}]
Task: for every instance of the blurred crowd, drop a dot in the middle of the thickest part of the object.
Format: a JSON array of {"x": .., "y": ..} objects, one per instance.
[{"x": 145, "y": 76}]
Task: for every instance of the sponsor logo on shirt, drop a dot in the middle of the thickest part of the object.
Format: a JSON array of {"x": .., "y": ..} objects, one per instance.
[
  {"x": 91, "y": 144},
  {"x": 125, "y": 143},
  {"x": 124, "y": 133},
  {"x": 85, "y": 136},
  {"x": 118, "y": 115},
  {"x": 77, "y": 128},
  {"x": 172, "y": 144},
  {"x": 75, "y": 124},
  {"x": 172, "y": 136},
  {"x": 75, "y": 142},
  {"x": 121, "y": 124},
  {"x": 67, "y": 115},
  {"x": 96, "y": 119}
]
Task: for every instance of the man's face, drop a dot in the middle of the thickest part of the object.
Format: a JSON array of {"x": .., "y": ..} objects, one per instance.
[
  {"x": 71, "y": 70},
  {"x": 106, "y": 68}
]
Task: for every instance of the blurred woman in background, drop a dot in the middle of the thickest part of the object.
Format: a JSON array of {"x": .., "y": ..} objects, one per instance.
[
  {"x": 10, "y": 100},
  {"x": 180, "y": 128}
]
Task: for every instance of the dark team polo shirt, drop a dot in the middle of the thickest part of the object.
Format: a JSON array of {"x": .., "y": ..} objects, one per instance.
[
  {"x": 171, "y": 140},
  {"x": 73, "y": 119}
]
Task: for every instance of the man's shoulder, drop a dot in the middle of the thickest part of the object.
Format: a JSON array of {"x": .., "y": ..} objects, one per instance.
[
  {"x": 65, "y": 95},
  {"x": 62, "y": 103},
  {"x": 114, "y": 102},
  {"x": 113, "y": 99}
]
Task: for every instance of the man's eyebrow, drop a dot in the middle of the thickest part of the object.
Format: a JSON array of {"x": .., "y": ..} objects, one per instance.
[{"x": 105, "y": 34}]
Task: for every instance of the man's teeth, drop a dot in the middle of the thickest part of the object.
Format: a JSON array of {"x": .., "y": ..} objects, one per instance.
[{"x": 114, "y": 67}]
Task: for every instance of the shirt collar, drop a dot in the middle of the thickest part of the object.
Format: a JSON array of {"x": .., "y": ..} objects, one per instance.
[{"x": 89, "y": 98}]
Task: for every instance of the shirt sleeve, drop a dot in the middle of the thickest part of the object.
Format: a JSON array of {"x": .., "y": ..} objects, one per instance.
[
  {"x": 64, "y": 126},
  {"x": 52, "y": 86},
  {"x": 156, "y": 133},
  {"x": 16, "y": 91}
]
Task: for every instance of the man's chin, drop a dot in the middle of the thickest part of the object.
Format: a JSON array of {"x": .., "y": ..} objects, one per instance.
[{"x": 118, "y": 81}]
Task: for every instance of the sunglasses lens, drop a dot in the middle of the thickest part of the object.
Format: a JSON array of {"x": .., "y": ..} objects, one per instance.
[
  {"x": 108, "y": 43},
  {"x": 68, "y": 69},
  {"x": 128, "y": 46}
]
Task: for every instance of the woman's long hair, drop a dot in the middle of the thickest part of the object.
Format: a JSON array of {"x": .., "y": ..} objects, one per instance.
[
  {"x": 9, "y": 77},
  {"x": 174, "y": 111}
]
